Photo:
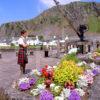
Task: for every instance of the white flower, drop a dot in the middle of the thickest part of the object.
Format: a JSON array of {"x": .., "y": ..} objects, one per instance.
[
  {"x": 54, "y": 67},
  {"x": 82, "y": 82},
  {"x": 98, "y": 69},
  {"x": 65, "y": 93},
  {"x": 82, "y": 77},
  {"x": 62, "y": 94},
  {"x": 39, "y": 73},
  {"x": 73, "y": 50},
  {"x": 35, "y": 72},
  {"x": 89, "y": 78},
  {"x": 89, "y": 55},
  {"x": 93, "y": 65},
  {"x": 80, "y": 91},
  {"x": 52, "y": 85},
  {"x": 89, "y": 72},
  {"x": 84, "y": 63},
  {"x": 58, "y": 98},
  {"x": 57, "y": 88},
  {"x": 23, "y": 80},
  {"x": 81, "y": 63},
  {"x": 41, "y": 86},
  {"x": 35, "y": 92},
  {"x": 49, "y": 67},
  {"x": 65, "y": 54}
]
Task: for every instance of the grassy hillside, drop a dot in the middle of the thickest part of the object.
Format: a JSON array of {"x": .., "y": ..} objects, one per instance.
[{"x": 94, "y": 24}]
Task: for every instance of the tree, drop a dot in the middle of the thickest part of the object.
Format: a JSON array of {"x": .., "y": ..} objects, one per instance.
[{"x": 41, "y": 37}]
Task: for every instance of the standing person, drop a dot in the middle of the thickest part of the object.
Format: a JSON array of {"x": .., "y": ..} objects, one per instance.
[
  {"x": 22, "y": 53},
  {"x": 46, "y": 50}
]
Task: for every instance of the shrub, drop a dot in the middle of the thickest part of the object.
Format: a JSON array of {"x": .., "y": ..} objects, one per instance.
[
  {"x": 72, "y": 57},
  {"x": 67, "y": 71}
]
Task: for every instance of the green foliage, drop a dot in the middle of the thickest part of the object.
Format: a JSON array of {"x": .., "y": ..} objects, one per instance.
[
  {"x": 32, "y": 35},
  {"x": 32, "y": 46},
  {"x": 41, "y": 38},
  {"x": 7, "y": 25},
  {"x": 55, "y": 19},
  {"x": 67, "y": 71},
  {"x": 72, "y": 57},
  {"x": 40, "y": 80},
  {"x": 56, "y": 92},
  {"x": 12, "y": 45},
  {"x": 98, "y": 50},
  {"x": 94, "y": 24}
]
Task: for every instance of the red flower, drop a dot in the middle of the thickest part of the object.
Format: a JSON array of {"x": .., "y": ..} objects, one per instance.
[
  {"x": 45, "y": 74},
  {"x": 69, "y": 85},
  {"x": 46, "y": 66},
  {"x": 48, "y": 82}
]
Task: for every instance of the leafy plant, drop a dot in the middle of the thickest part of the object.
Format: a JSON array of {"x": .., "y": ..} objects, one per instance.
[
  {"x": 72, "y": 57},
  {"x": 41, "y": 37},
  {"x": 67, "y": 70},
  {"x": 40, "y": 80}
]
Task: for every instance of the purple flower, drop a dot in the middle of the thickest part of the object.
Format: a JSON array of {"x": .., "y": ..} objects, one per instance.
[
  {"x": 24, "y": 86},
  {"x": 98, "y": 66},
  {"x": 95, "y": 72},
  {"x": 74, "y": 96},
  {"x": 32, "y": 81},
  {"x": 97, "y": 58},
  {"x": 46, "y": 95},
  {"x": 40, "y": 70}
]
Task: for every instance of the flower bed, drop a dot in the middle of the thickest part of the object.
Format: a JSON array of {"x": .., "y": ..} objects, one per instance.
[
  {"x": 95, "y": 57},
  {"x": 68, "y": 80}
]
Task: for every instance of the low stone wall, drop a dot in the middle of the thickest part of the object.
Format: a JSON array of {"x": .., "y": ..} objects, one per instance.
[{"x": 7, "y": 50}]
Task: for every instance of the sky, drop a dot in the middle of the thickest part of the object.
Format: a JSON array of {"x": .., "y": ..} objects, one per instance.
[{"x": 17, "y": 10}]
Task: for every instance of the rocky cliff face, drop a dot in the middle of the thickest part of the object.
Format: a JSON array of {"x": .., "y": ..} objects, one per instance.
[{"x": 51, "y": 22}]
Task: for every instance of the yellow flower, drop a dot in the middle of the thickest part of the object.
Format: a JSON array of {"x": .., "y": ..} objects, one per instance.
[{"x": 67, "y": 70}]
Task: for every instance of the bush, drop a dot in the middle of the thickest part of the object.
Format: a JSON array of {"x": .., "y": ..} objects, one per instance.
[
  {"x": 72, "y": 57},
  {"x": 67, "y": 71}
]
